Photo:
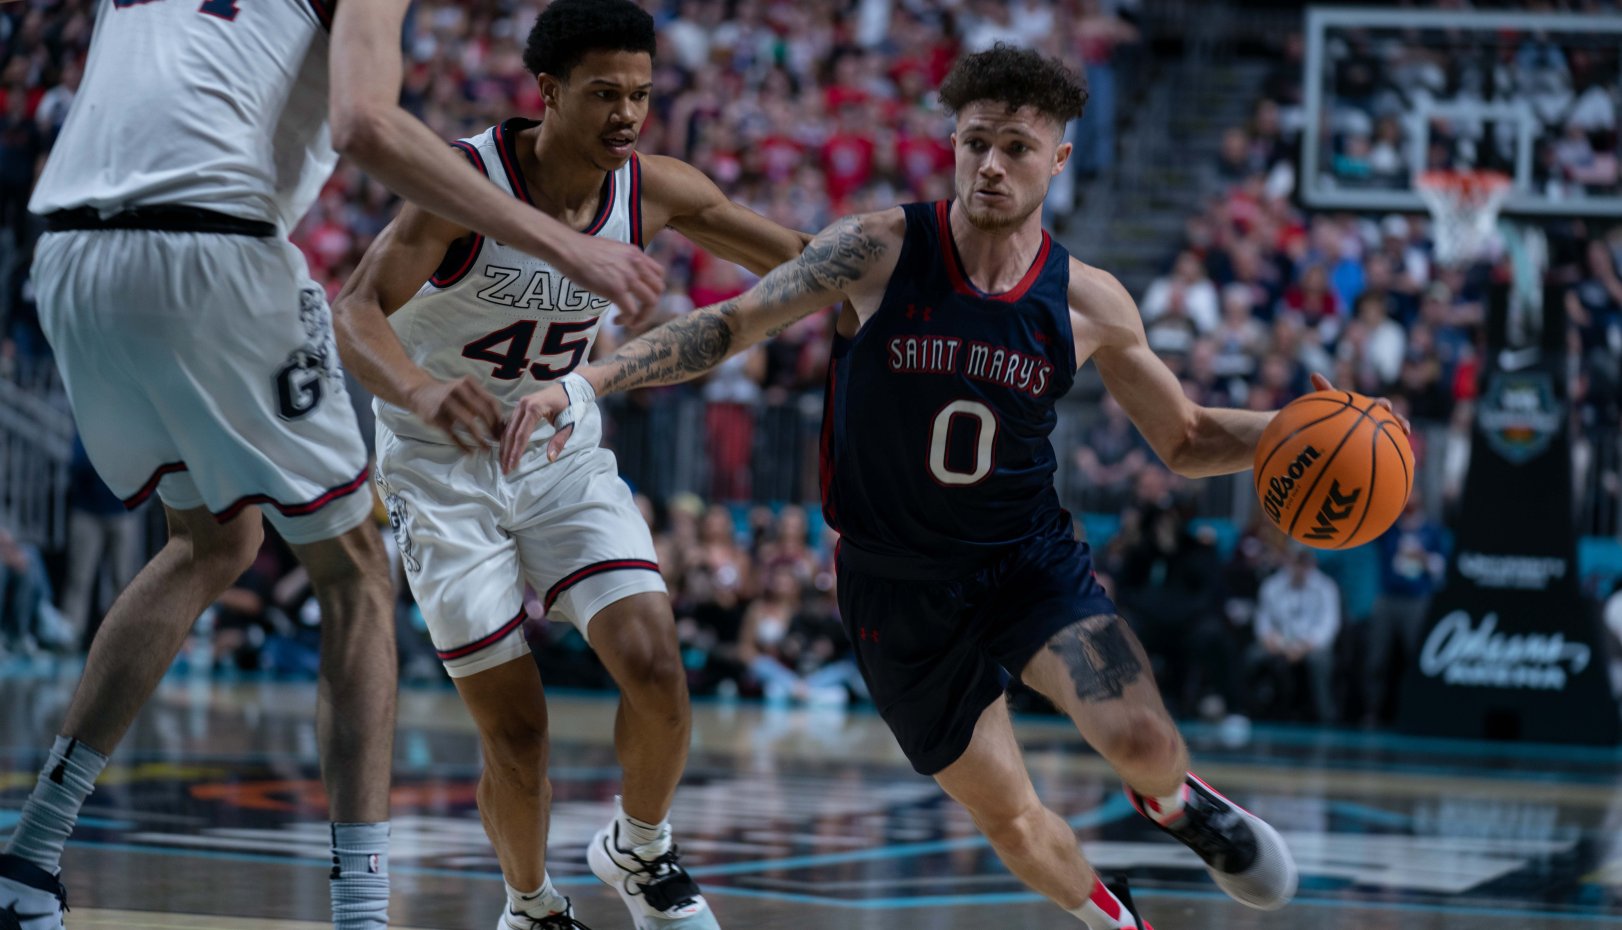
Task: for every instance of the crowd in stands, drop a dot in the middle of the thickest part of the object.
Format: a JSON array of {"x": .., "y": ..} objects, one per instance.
[{"x": 809, "y": 109}]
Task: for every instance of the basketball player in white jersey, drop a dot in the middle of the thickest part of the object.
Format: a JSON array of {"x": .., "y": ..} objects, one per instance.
[
  {"x": 199, "y": 360},
  {"x": 434, "y": 303}
]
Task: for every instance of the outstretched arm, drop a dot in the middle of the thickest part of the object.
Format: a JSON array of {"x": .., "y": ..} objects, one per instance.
[
  {"x": 851, "y": 257},
  {"x": 1192, "y": 440},
  {"x": 685, "y": 199},
  {"x": 839, "y": 258}
]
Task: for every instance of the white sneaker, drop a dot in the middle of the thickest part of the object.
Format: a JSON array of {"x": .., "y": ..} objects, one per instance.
[
  {"x": 651, "y": 882},
  {"x": 512, "y": 920},
  {"x": 30, "y": 897}
]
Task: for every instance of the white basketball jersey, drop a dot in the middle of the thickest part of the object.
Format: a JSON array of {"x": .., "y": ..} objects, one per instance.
[
  {"x": 212, "y": 103},
  {"x": 503, "y": 316}
]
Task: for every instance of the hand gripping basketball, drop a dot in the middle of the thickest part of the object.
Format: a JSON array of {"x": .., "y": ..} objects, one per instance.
[
  {"x": 561, "y": 403},
  {"x": 1334, "y": 469}
]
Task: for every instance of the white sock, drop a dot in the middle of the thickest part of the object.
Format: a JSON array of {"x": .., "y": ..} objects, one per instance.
[
  {"x": 635, "y": 833},
  {"x": 360, "y": 876},
  {"x": 542, "y": 902},
  {"x": 51, "y": 811},
  {"x": 1164, "y": 810},
  {"x": 1104, "y": 911}
]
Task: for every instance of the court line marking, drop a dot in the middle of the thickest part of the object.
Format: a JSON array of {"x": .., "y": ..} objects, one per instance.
[
  {"x": 1507, "y": 910},
  {"x": 1116, "y": 808}
]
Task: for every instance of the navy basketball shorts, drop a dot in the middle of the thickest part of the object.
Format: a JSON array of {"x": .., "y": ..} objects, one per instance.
[{"x": 936, "y": 653}]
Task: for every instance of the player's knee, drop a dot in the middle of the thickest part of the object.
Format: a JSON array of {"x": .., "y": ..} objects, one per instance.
[
  {"x": 1139, "y": 737},
  {"x": 355, "y": 558},
  {"x": 648, "y": 664},
  {"x": 1013, "y": 829},
  {"x": 221, "y": 552}
]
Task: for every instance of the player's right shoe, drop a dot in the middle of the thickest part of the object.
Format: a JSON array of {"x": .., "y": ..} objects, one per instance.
[
  {"x": 30, "y": 897},
  {"x": 1122, "y": 893},
  {"x": 655, "y": 888},
  {"x": 1246, "y": 857},
  {"x": 512, "y": 920}
]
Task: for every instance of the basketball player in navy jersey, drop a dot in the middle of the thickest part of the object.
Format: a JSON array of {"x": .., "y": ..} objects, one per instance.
[
  {"x": 434, "y": 304},
  {"x": 963, "y": 323}
]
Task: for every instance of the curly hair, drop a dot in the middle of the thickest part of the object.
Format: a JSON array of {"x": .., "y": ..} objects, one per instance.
[
  {"x": 1017, "y": 77},
  {"x": 568, "y": 29}
]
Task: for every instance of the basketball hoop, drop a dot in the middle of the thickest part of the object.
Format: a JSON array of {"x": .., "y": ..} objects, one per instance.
[{"x": 1464, "y": 209}]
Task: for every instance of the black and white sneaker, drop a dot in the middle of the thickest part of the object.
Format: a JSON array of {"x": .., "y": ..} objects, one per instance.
[
  {"x": 30, "y": 897},
  {"x": 1246, "y": 857},
  {"x": 512, "y": 920},
  {"x": 650, "y": 880},
  {"x": 1122, "y": 893}
]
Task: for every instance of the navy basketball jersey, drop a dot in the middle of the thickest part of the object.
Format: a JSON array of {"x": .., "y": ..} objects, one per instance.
[{"x": 935, "y": 445}]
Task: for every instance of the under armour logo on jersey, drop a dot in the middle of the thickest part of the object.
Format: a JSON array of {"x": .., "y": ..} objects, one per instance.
[
  {"x": 1041, "y": 337},
  {"x": 928, "y": 312}
]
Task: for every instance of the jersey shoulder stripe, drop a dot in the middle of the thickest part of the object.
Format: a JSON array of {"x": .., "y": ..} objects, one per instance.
[
  {"x": 635, "y": 206},
  {"x": 459, "y": 258}
]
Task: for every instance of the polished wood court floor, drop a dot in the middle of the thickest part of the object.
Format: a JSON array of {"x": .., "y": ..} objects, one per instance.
[{"x": 210, "y": 818}]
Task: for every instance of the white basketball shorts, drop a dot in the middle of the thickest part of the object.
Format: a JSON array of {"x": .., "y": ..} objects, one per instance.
[
  {"x": 472, "y": 537},
  {"x": 202, "y": 366}
]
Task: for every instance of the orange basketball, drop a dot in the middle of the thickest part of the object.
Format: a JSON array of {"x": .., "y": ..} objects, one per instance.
[{"x": 1334, "y": 469}]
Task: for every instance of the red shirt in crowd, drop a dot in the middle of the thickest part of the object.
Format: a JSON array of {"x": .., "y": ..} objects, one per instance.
[{"x": 847, "y": 160}]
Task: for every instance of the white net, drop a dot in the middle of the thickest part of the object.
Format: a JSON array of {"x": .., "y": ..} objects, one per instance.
[{"x": 1464, "y": 209}]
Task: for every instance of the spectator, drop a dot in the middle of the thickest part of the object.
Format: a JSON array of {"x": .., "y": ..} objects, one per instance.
[
  {"x": 28, "y": 618},
  {"x": 1315, "y": 302},
  {"x": 1384, "y": 342},
  {"x": 1170, "y": 589},
  {"x": 1110, "y": 456},
  {"x": 22, "y": 155},
  {"x": 787, "y": 663},
  {"x": 1187, "y": 288},
  {"x": 1235, "y": 162},
  {"x": 1297, "y": 618},
  {"x": 1412, "y": 561},
  {"x": 103, "y": 545},
  {"x": 1240, "y": 338}
]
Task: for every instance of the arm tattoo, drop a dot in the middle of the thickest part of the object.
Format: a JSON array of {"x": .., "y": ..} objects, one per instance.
[
  {"x": 677, "y": 351},
  {"x": 686, "y": 348},
  {"x": 1100, "y": 655}
]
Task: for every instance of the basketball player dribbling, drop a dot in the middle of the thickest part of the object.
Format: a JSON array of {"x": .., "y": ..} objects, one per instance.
[
  {"x": 199, "y": 360},
  {"x": 434, "y": 304},
  {"x": 963, "y": 323}
]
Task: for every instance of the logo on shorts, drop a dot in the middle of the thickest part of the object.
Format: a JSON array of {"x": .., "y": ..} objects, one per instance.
[
  {"x": 398, "y": 514},
  {"x": 301, "y": 382}
]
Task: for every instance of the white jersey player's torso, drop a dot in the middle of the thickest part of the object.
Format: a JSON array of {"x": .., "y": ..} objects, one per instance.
[
  {"x": 504, "y": 316},
  {"x": 212, "y": 103}
]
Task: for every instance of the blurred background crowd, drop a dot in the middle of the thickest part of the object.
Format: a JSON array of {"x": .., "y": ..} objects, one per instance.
[{"x": 806, "y": 110}]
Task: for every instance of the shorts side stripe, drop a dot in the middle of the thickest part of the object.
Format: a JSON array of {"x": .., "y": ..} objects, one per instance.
[
  {"x": 596, "y": 568},
  {"x": 295, "y": 510},
  {"x": 476, "y": 645},
  {"x": 139, "y": 497}
]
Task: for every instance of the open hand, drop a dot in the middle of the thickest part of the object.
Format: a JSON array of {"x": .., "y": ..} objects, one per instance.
[
  {"x": 544, "y": 404},
  {"x": 618, "y": 271},
  {"x": 462, "y": 409},
  {"x": 1320, "y": 383}
]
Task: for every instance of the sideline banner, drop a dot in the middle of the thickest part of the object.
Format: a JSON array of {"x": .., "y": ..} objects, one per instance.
[{"x": 1511, "y": 650}]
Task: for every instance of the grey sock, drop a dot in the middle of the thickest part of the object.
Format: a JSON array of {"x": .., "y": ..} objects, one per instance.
[
  {"x": 50, "y": 812},
  {"x": 360, "y": 876}
]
